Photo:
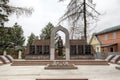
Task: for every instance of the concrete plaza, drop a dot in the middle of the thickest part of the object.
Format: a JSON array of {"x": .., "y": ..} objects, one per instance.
[{"x": 91, "y": 72}]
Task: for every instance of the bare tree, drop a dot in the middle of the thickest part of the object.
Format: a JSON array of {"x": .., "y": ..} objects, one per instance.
[{"x": 80, "y": 15}]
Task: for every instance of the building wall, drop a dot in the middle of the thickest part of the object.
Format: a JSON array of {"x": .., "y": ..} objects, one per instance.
[
  {"x": 118, "y": 47},
  {"x": 38, "y": 42},
  {"x": 41, "y": 42},
  {"x": 83, "y": 43},
  {"x": 94, "y": 41},
  {"x": 77, "y": 42},
  {"x": 107, "y": 49},
  {"x": 110, "y": 40},
  {"x": 97, "y": 47}
]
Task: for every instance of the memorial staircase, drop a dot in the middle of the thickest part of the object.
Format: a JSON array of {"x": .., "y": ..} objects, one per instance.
[{"x": 32, "y": 60}]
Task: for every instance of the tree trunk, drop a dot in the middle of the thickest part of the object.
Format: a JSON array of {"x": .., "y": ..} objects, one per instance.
[{"x": 85, "y": 21}]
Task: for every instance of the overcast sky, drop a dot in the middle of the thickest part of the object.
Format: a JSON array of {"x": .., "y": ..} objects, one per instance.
[{"x": 51, "y": 10}]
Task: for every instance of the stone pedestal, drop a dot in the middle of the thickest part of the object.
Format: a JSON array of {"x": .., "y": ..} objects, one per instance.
[
  {"x": 56, "y": 54},
  {"x": 60, "y": 65},
  {"x": 4, "y": 53},
  {"x": 52, "y": 55},
  {"x": 20, "y": 55},
  {"x": 67, "y": 54}
]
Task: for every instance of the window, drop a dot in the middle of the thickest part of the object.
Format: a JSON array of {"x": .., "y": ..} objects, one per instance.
[
  {"x": 80, "y": 49},
  {"x": 32, "y": 49},
  {"x": 114, "y": 35},
  {"x": 73, "y": 49},
  {"x": 39, "y": 49},
  {"x": 46, "y": 49},
  {"x": 87, "y": 49},
  {"x": 106, "y": 37}
]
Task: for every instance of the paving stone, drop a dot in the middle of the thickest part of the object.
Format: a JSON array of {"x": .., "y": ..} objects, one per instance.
[
  {"x": 1, "y": 63},
  {"x": 90, "y": 72}
]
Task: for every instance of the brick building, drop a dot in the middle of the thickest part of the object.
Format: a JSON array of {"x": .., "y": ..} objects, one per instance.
[{"x": 110, "y": 39}]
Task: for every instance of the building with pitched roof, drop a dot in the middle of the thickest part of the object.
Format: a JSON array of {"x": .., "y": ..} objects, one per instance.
[
  {"x": 110, "y": 39},
  {"x": 95, "y": 42}
]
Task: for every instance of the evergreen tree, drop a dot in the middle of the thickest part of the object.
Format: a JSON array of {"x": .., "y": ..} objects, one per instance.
[
  {"x": 30, "y": 39},
  {"x": 46, "y": 32},
  {"x": 17, "y": 35},
  {"x": 5, "y": 37}
]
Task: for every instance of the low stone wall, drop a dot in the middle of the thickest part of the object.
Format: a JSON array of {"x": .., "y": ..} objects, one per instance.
[
  {"x": 37, "y": 57},
  {"x": 82, "y": 57}
]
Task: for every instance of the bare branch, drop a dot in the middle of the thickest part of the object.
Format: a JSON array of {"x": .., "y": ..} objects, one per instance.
[
  {"x": 70, "y": 13},
  {"x": 80, "y": 12},
  {"x": 18, "y": 10},
  {"x": 93, "y": 9}
]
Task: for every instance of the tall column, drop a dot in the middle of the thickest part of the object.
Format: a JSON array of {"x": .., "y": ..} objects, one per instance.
[{"x": 67, "y": 54}]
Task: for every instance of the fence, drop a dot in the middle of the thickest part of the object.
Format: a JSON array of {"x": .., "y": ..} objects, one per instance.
[{"x": 104, "y": 55}]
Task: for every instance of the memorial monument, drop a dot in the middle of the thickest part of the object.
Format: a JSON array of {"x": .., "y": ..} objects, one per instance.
[
  {"x": 73, "y": 48},
  {"x": 60, "y": 46}
]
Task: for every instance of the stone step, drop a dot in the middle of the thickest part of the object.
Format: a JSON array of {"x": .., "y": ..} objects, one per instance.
[
  {"x": 45, "y": 62},
  {"x": 62, "y": 79},
  {"x": 1, "y": 63},
  {"x": 61, "y": 65}
]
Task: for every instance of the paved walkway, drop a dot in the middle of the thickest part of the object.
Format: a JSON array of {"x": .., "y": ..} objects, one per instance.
[{"x": 91, "y": 72}]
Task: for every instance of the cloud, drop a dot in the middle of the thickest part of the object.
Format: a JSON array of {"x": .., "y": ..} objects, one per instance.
[
  {"x": 110, "y": 13},
  {"x": 51, "y": 10}
]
